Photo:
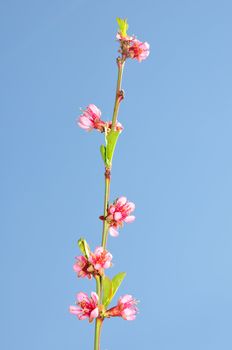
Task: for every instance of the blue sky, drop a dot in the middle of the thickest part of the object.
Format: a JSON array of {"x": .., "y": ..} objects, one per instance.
[{"x": 173, "y": 160}]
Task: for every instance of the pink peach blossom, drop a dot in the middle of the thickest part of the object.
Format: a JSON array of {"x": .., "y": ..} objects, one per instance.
[
  {"x": 82, "y": 267},
  {"x": 133, "y": 48},
  {"x": 139, "y": 50},
  {"x": 126, "y": 308},
  {"x": 91, "y": 119},
  {"x": 94, "y": 264},
  {"x": 100, "y": 259},
  {"x": 118, "y": 213},
  {"x": 86, "y": 307}
]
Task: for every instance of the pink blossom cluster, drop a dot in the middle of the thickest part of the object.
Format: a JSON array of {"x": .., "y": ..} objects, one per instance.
[
  {"x": 94, "y": 265},
  {"x": 91, "y": 119},
  {"x": 88, "y": 307},
  {"x": 118, "y": 213},
  {"x": 133, "y": 48}
]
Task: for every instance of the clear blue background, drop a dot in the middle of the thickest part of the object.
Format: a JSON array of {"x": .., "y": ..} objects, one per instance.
[{"x": 173, "y": 160}]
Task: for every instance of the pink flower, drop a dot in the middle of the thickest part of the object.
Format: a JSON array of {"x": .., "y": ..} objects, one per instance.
[
  {"x": 100, "y": 259},
  {"x": 118, "y": 213},
  {"x": 82, "y": 267},
  {"x": 138, "y": 50},
  {"x": 94, "y": 264},
  {"x": 86, "y": 307},
  {"x": 91, "y": 119},
  {"x": 133, "y": 48},
  {"x": 126, "y": 308}
]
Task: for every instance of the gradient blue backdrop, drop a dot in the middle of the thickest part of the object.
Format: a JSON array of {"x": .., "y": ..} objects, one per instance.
[{"x": 173, "y": 160}]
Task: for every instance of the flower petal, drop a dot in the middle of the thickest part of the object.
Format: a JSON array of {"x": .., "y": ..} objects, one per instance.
[
  {"x": 130, "y": 206},
  {"x": 98, "y": 250},
  {"x": 121, "y": 201},
  {"x": 95, "y": 110},
  {"x": 75, "y": 310},
  {"x": 82, "y": 296},
  {"x": 86, "y": 121},
  {"x": 83, "y": 126},
  {"x": 113, "y": 232},
  {"x": 93, "y": 314},
  {"x": 95, "y": 298},
  {"x": 117, "y": 215},
  {"x": 129, "y": 219},
  {"x": 82, "y": 316},
  {"x": 125, "y": 298}
]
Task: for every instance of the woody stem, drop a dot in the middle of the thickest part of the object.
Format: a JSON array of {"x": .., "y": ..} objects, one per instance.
[
  {"x": 98, "y": 321},
  {"x": 118, "y": 98},
  {"x": 106, "y": 203},
  {"x": 119, "y": 94},
  {"x": 98, "y": 326}
]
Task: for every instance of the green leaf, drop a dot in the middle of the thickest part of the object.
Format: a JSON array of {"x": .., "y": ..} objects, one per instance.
[
  {"x": 107, "y": 291},
  {"x": 110, "y": 287},
  {"x": 103, "y": 153},
  {"x": 84, "y": 247},
  {"x": 123, "y": 26},
  {"x": 111, "y": 141},
  {"x": 116, "y": 282}
]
